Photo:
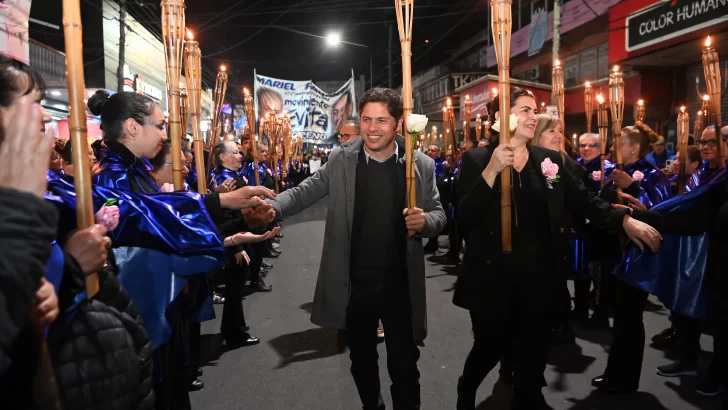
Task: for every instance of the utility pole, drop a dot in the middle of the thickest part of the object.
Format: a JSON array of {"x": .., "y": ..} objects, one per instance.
[
  {"x": 556, "y": 37},
  {"x": 390, "y": 55},
  {"x": 122, "y": 46}
]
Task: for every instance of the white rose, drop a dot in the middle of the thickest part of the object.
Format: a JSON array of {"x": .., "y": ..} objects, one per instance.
[
  {"x": 416, "y": 123},
  {"x": 514, "y": 124}
]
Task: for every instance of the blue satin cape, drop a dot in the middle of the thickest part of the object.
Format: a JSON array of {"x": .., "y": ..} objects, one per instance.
[{"x": 676, "y": 273}]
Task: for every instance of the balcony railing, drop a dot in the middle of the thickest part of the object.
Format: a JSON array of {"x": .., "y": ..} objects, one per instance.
[{"x": 50, "y": 63}]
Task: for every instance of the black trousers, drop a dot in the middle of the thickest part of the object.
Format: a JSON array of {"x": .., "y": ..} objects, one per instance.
[
  {"x": 624, "y": 365},
  {"x": 365, "y": 310},
  {"x": 522, "y": 334},
  {"x": 233, "y": 318}
]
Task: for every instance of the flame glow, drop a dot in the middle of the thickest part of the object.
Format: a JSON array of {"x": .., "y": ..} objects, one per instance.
[
  {"x": 588, "y": 84},
  {"x": 189, "y": 35},
  {"x": 706, "y": 97},
  {"x": 557, "y": 63},
  {"x": 600, "y": 98},
  {"x": 682, "y": 109},
  {"x": 223, "y": 68},
  {"x": 444, "y": 109},
  {"x": 616, "y": 69},
  {"x": 641, "y": 102},
  {"x": 245, "y": 91},
  {"x": 707, "y": 42},
  {"x": 495, "y": 91},
  {"x": 467, "y": 97}
]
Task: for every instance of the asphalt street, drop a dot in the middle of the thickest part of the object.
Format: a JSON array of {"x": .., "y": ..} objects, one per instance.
[{"x": 299, "y": 365}]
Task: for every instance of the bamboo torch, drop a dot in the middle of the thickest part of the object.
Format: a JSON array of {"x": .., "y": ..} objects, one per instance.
[
  {"x": 557, "y": 80},
  {"x": 616, "y": 103},
  {"x": 478, "y": 128},
  {"x": 184, "y": 108},
  {"x": 707, "y": 111},
  {"x": 446, "y": 126},
  {"x": 683, "y": 129},
  {"x": 405, "y": 18},
  {"x": 250, "y": 122},
  {"x": 640, "y": 113},
  {"x": 588, "y": 105},
  {"x": 501, "y": 26},
  {"x": 466, "y": 124},
  {"x": 451, "y": 124},
  {"x": 699, "y": 125},
  {"x": 218, "y": 99},
  {"x": 711, "y": 69},
  {"x": 603, "y": 126},
  {"x": 193, "y": 75},
  {"x": 287, "y": 143},
  {"x": 173, "y": 25}
]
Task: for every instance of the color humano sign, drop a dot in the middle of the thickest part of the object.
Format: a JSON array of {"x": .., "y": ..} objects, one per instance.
[{"x": 666, "y": 20}]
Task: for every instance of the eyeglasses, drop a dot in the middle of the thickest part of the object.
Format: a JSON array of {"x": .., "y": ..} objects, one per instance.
[
  {"x": 347, "y": 136},
  {"x": 234, "y": 152},
  {"x": 159, "y": 126},
  {"x": 169, "y": 164},
  {"x": 710, "y": 143},
  {"x": 589, "y": 145}
]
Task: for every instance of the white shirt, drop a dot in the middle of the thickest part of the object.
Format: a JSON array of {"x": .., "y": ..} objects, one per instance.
[{"x": 395, "y": 154}]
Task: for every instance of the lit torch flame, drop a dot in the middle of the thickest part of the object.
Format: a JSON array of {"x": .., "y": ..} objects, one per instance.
[
  {"x": 706, "y": 97},
  {"x": 245, "y": 91},
  {"x": 600, "y": 98},
  {"x": 616, "y": 68},
  {"x": 557, "y": 63},
  {"x": 641, "y": 102},
  {"x": 223, "y": 68},
  {"x": 707, "y": 42},
  {"x": 189, "y": 35},
  {"x": 682, "y": 109},
  {"x": 588, "y": 84}
]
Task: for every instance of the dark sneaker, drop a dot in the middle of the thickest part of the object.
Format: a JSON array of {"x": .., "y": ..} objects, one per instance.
[
  {"x": 677, "y": 369},
  {"x": 709, "y": 387}
]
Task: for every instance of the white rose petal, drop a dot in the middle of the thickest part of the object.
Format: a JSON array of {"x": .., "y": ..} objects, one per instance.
[
  {"x": 514, "y": 123},
  {"x": 416, "y": 123}
]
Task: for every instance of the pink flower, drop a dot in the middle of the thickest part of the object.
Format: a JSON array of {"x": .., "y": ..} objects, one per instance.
[
  {"x": 108, "y": 217},
  {"x": 167, "y": 187},
  {"x": 549, "y": 169},
  {"x": 638, "y": 176},
  {"x": 597, "y": 175}
]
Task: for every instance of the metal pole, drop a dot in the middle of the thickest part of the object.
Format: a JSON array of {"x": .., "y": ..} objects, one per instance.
[
  {"x": 390, "y": 54},
  {"x": 371, "y": 68}
]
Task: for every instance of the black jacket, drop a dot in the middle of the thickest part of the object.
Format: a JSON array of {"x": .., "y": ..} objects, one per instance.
[
  {"x": 484, "y": 280},
  {"x": 27, "y": 229}
]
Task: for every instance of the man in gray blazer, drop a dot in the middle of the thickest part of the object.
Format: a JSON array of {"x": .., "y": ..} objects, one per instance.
[{"x": 371, "y": 269}]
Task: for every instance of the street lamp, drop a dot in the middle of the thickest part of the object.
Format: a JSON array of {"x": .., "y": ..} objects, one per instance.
[{"x": 333, "y": 39}]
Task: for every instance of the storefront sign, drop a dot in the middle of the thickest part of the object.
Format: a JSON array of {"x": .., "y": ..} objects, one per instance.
[
  {"x": 666, "y": 20},
  {"x": 135, "y": 83},
  {"x": 14, "y": 29}
]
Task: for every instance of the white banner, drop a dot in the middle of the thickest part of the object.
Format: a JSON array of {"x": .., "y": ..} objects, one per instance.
[
  {"x": 14, "y": 16},
  {"x": 315, "y": 115}
]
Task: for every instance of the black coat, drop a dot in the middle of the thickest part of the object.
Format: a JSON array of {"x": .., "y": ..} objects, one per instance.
[
  {"x": 27, "y": 229},
  {"x": 484, "y": 281}
]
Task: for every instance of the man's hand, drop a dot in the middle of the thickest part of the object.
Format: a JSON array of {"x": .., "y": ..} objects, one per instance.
[
  {"x": 259, "y": 216},
  {"x": 89, "y": 247},
  {"x": 415, "y": 219},
  {"x": 45, "y": 307},
  {"x": 632, "y": 201},
  {"x": 246, "y": 197},
  {"x": 622, "y": 179},
  {"x": 24, "y": 149},
  {"x": 642, "y": 234}
]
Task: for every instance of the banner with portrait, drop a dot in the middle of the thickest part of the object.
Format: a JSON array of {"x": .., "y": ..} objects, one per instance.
[
  {"x": 14, "y": 16},
  {"x": 315, "y": 115}
]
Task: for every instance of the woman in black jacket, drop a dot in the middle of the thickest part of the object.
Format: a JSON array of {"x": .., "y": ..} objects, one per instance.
[{"x": 509, "y": 294}]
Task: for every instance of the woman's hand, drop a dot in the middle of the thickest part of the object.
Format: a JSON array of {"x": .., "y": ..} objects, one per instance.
[
  {"x": 227, "y": 186},
  {"x": 642, "y": 234},
  {"x": 632, "y": 201},
  {"x": 503, "y": 156},
  {"x": 245, "y": 197},
  {"x": 622, "y": 179},
  {"x": 24, "y": 150},
  {"x": 45, "y": 307},
  {"x": 249, "y": 237},
  {"x": 241, "y": 257},
  {"x": 89, "y": 247}
]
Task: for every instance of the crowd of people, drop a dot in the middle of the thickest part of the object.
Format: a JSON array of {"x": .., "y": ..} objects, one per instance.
[{"x": 108, "y": 316}]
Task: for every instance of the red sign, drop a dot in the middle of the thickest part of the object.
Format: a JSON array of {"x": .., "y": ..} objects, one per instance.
[{"x": 482, "y": 93}]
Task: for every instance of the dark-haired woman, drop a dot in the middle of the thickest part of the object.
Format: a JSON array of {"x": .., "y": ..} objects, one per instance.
[
  {"x": 509, "y": 295},
  {"x": 643, "y": 181}
]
